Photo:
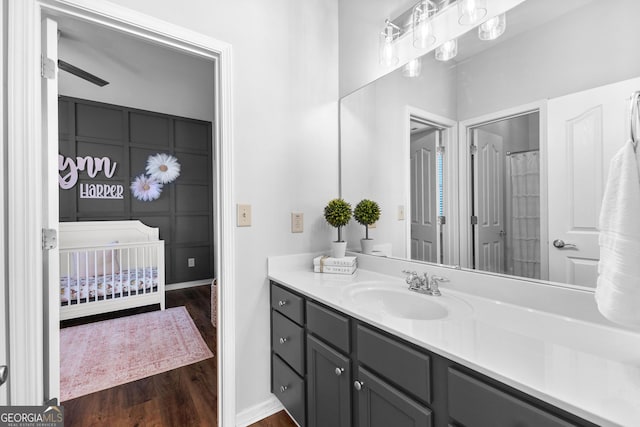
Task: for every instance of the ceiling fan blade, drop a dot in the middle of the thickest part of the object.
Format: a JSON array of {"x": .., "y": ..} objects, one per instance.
[{"x": 65, "y": 66}]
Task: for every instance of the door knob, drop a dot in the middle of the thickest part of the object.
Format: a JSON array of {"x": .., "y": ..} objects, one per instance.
[
  {"x": 561, "y": 244},
  {"x": 4, "y": 374},
  {"x": 339, "y": 371},
  {"x": 358, "y": 385},
  {"x": 283, "y": 340}
]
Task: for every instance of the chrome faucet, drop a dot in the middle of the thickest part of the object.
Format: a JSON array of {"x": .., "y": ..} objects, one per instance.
[
  {"x": 417, "y": 283},
  {"x": 423, "y": 284}
]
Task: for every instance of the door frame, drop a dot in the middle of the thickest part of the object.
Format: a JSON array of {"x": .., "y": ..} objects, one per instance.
[
  {"x": 449, "y": 141},
  {"x": 25, "y": 177},
  {"x": 466, "y": 201},
  {"x": 4, "y": 318}
]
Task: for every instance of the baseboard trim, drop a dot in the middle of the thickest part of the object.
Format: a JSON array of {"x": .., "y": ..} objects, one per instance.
[
  {"x": 258, "y": 412},
  {"x": 183, "y": 285}
]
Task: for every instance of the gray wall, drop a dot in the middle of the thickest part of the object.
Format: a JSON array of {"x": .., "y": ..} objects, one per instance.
[{"x": 184, "y": 211}]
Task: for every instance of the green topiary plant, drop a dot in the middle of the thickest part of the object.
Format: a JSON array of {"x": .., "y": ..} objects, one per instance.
[
  {"x": 337, "y": 213},
  {"x": 366, "y": 213}
]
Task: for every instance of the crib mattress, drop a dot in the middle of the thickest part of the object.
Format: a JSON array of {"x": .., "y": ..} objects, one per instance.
[{"x": 122, "y": 283}]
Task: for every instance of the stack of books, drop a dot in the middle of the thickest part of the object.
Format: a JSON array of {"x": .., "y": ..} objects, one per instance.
[{"x": 326, "y": 264}]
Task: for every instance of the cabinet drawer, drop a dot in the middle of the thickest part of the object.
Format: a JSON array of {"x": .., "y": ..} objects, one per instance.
[
  {"x": 328, "y": 325},
  {"x": 287, "y": 303},
  {"x": 405, "y": 367},
  {"x": 289, "y": 389},
  {"x": 287, "y": 340},
  {"x": 474, "y": 403}
]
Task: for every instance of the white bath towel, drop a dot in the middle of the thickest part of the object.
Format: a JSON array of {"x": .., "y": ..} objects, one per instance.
[{"x": 618, "y": 290}]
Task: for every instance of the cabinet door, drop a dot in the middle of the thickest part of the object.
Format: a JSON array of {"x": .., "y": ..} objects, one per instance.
[
  {"x": 328, "y": 386},
  {"x": 381, "y": 405}
]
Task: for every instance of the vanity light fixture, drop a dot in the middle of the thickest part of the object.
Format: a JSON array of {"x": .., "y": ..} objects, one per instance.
[
  {"x": 421, "y": 24},
  {"x": 388, "y": 36},
  {"x": 493, "y": 28},
  {"x": 471, "y": 12},
  {"x": 412, "y": 68},
  {"x": 447, "y": 50}
]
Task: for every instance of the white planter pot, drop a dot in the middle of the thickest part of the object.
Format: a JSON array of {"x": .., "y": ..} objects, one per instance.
[
  {"x": 367, "y": 245},
  {"x": 338, "y": 249}
]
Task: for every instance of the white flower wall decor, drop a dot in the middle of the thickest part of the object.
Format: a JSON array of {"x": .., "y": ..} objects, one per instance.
[
  {"x": 146, "y": 188},
  {"x": 163, "y": 167}
]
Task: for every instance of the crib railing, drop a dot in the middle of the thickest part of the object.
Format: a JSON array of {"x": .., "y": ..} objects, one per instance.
[{"x": 91, "y": 274}]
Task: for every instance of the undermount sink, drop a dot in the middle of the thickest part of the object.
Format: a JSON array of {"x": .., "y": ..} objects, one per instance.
[{"x": 397, "y": 301}]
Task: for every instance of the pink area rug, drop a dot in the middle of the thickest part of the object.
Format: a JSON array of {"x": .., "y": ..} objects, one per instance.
[{"x": 105, "y": 354}]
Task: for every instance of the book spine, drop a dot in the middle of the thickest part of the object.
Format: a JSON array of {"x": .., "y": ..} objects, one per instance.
[
  {"x": 336, "y": 262},
  {"x": 334, "y": 269}
]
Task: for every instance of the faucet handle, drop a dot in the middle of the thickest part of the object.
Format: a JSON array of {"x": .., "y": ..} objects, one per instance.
[
  {"x": 410, "y": 273},
  {"x": 433, "y": 284}
]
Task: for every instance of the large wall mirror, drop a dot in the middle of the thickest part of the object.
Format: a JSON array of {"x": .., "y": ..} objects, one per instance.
[{"x": 496, "y": 160}]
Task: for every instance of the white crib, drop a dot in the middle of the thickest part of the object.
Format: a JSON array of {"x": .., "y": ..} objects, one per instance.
[{"x": 109, "y": 265}]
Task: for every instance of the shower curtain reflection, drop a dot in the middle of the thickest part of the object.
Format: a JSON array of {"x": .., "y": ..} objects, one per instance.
[{"x": 523, "y": 199}]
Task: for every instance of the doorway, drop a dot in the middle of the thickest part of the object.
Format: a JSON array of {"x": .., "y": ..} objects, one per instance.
[
  {"x": 28, "y": 122},
  {"x": 505, "y": 196},
  {"x": 431, "y": 153},
  {"x": 426, "y": 191}
]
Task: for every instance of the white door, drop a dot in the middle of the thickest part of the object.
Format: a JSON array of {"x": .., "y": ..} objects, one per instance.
[
  {"x": 51, "y": 215},
  {"x": 585, "y": 129},
  {"x": 424, "y": 227},
  {"x": 489, "y": 201}
]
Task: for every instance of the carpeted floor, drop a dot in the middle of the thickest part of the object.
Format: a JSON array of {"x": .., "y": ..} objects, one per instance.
[{"x": 100, "y": 355}]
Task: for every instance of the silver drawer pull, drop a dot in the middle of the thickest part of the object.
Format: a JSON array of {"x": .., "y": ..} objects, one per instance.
[
  {"x": 339, "y": 371},
  {"x": 283, "y": 388},
  {"x": 283, "y": 340},
  {"x": 282, "y": 303},
  {"x": 358, "y": 385}
]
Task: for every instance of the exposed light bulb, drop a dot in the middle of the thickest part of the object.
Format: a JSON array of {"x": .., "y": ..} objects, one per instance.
[
  {"x": 388, "y": 55},
  {"x": 421, "y": 24},
  {"x": 447, "y": 50},
  {"x": 493, "y": 28},
  {"x": 471, "y": 11},
  {"x": 412, "y": 68}
]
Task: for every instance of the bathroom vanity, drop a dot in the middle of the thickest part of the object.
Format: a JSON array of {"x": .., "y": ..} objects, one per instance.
[{"x": 363, "y": 350}]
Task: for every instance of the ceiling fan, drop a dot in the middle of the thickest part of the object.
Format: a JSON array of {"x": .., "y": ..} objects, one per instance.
[{"x": 65, "y": 66}]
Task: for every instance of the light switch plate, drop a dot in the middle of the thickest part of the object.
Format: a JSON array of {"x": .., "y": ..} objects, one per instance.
[
  {"x": 191, "y": 262},
  {"x": 401, "y": 213},
  {"x": 297, "y": 222},
  {"x": 374, "y": 225},
  {"x": 244, "y": 215}
]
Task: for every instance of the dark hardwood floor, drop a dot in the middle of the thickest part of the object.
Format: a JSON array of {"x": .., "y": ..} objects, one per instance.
[{"x": 186, "y": 396}]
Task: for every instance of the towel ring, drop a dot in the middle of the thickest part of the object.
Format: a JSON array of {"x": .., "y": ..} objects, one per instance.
[{"x": 634, "y": 118}]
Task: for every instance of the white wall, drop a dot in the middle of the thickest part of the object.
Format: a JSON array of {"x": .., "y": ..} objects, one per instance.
[
  {"x": 140, "y": 74},
  {"x": 285, "y": 76}
]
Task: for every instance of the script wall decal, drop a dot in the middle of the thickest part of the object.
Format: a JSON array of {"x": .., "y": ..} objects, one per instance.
[{"x": 69, "y": 168}]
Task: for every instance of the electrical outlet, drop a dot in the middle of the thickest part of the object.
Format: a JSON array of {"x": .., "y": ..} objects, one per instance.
[
  {"x": 191, "y": 262},
  {"x": 297, "y": 222},
  {"x": 401, "y": 213},
  {"x": 244, "y": 215}
]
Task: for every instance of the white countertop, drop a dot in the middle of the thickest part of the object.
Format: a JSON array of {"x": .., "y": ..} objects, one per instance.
[{"x": 589, "y": 369}]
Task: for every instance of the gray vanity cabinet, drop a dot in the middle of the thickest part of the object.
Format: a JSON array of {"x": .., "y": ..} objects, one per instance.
[
  {"x": 332, "y": 370},
  {"x": 328, "y": 385},
  {"x": 287, "y": 352}
]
